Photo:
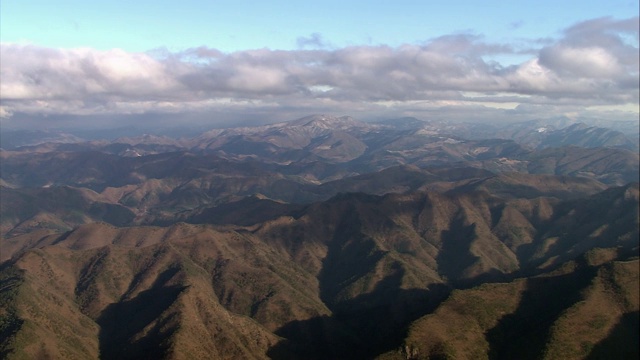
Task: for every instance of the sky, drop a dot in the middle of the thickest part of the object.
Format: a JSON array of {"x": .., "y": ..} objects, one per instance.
[{"x": 108, "y": 63}]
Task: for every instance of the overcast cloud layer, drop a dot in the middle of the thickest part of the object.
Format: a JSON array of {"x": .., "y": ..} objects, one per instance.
[{"x": 591, "y": 70}]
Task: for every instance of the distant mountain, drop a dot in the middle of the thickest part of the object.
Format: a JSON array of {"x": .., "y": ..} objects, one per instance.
[
  {"x": 176, "y": 186},
  {"x": 541, "y": 135},
  {"x": 163, "y": 187},
  {"x": 11, "y": 139},
  {"x": 588, "y": 136},
  {"x": 348, "y": 147},
  {"x": 314, "y": 137},
  {"x": 319, "y": 123},
  {"x": 405, "y": 123}
]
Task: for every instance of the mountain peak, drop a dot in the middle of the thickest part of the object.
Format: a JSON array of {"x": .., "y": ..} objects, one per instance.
[{"x": 328, "y": 122}]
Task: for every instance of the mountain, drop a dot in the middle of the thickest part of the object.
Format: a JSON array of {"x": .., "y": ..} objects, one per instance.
[
  {"x": 586, "y": 310},
  {"x": 610, "y": 166},
  {"x": 314, "y": 137},
  {"x": 517, "y": 185},
  {"x": 162, "y": 189},
  {"x": 58, "y": 208},
  {"x": 90, "y": 299},
  {"x": 327, "y": 280},
  {"x": 342, "y": 146},
  {"x": 321, "y": 238}
]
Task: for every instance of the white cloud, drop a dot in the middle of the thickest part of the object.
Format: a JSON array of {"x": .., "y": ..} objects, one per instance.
[
  {"x": 532, "y": 77},
  {"x": 36, "y": 73},
  {"x": 4, "y": 113},
  {"x": 258, "y": 79},
  {"x": 593, "y": 64}
]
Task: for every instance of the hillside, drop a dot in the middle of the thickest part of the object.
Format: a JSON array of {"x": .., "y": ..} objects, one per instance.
[
  {"x": 588, "y": 309},
  {"x": 340, "y": 274}
]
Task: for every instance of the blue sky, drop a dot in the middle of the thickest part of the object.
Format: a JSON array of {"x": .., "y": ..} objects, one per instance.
[
  {"x": 240, "y": 25},
  {"x": 279, "y": 59}
]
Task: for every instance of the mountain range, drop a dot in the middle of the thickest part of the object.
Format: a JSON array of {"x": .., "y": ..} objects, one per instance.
[{"x": 322, "y": 238}]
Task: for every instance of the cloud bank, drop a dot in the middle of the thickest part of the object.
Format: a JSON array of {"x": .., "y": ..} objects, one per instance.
[{"x": 593, "y": 65}]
